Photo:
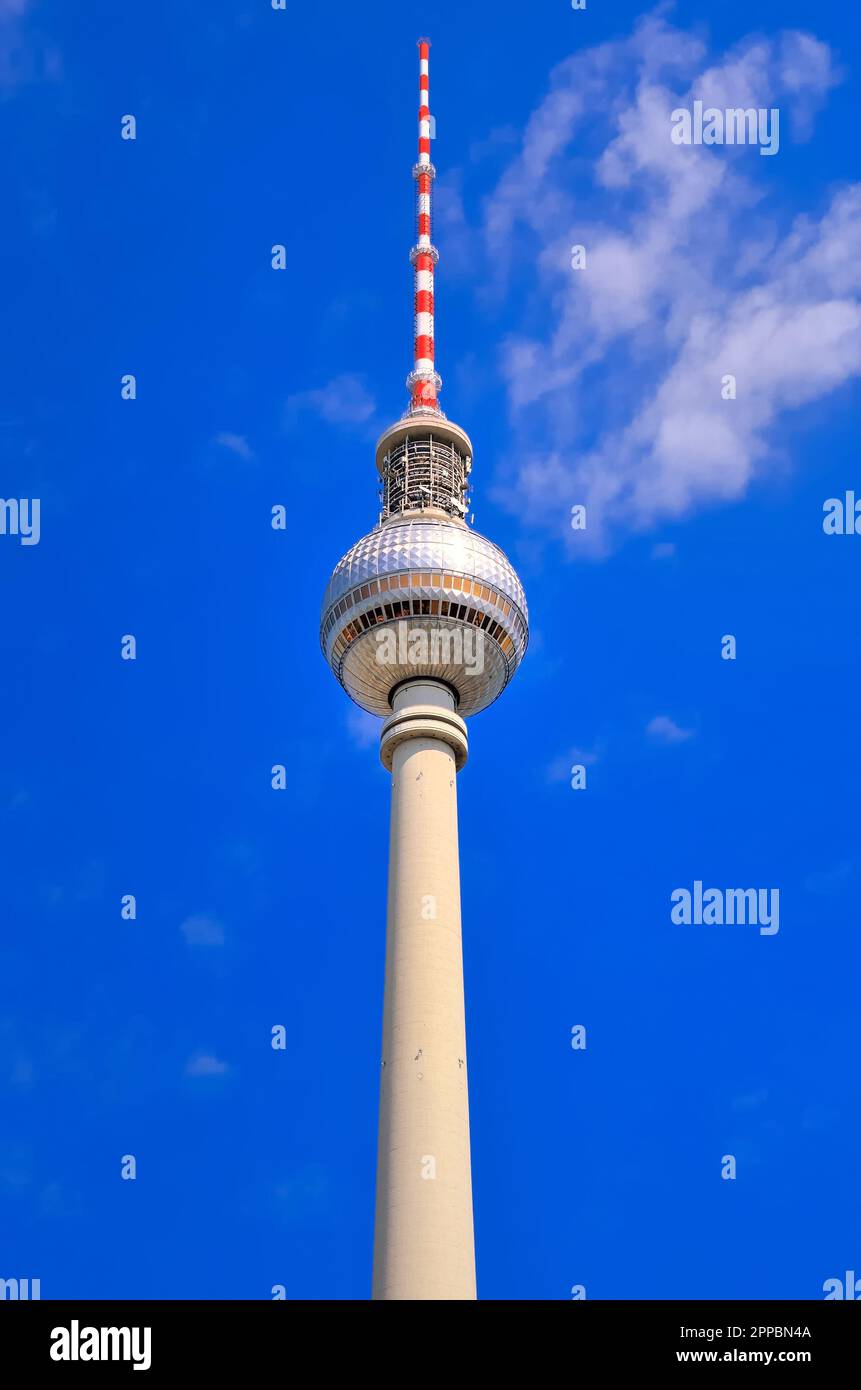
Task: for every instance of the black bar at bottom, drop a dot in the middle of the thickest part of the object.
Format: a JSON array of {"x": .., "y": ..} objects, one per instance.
[{"x": 158, "y": 1338}]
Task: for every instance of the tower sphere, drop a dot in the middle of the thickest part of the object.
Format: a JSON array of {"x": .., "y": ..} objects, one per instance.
[{"x": 423, "y": 595}]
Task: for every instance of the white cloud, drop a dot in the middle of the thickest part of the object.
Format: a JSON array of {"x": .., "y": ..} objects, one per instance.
[
  {"x": 24, "y": 57},
  {"x": 559, "y": 770},
  {"x": 690, "y": 277},
  {"x": 203, "y": 930},
  {"x": 236, "y": 444},
  {"x": 344, "y": 401},
  {"x": 23, "y": 1072},
  {"x": 666, "y": 730},
  {"x": 836, "y": 879},
  {"x": 204, "y": 1064},
  {"x": 754, "y": 1101},
  {"x": 363, "y": 728}
]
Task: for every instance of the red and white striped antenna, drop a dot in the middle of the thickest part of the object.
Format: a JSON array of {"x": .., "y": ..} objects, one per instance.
[{"x": 423, "y": 382}]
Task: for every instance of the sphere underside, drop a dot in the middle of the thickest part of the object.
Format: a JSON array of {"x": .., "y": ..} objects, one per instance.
[{"x": 427, "y": 598}]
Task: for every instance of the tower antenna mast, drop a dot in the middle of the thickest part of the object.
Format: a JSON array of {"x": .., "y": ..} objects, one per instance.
[{"x": 423, "y": 382}]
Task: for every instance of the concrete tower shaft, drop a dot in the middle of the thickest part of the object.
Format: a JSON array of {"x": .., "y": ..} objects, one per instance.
[{"x": 423, "y": 1246}]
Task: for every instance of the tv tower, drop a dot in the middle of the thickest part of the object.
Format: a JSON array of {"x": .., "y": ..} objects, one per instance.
[{"x": 424, "y": 622}]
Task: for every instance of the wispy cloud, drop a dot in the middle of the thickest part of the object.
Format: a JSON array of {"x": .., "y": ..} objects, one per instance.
[
  {"x": 754, "y": 1101},
  {"x": 345, "y": 401},
  {"x": 236, "y": 444},
  {"x": 23, "y": 57},
  {"x": 23, "y": 1072},
  {"x": 691, "y": 276},
  {"x": 363, "y": 728},
  {"x": 205, "y": 1064},
  {"x": 836, "y": 879},
  {"x": 666, "y": 730},
  {"x": 559, "y": 770},
  {"x": 203, "y": 930}
]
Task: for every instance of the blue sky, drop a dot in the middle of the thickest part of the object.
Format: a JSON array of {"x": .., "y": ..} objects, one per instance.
[{"x": 255, "y": 387}]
